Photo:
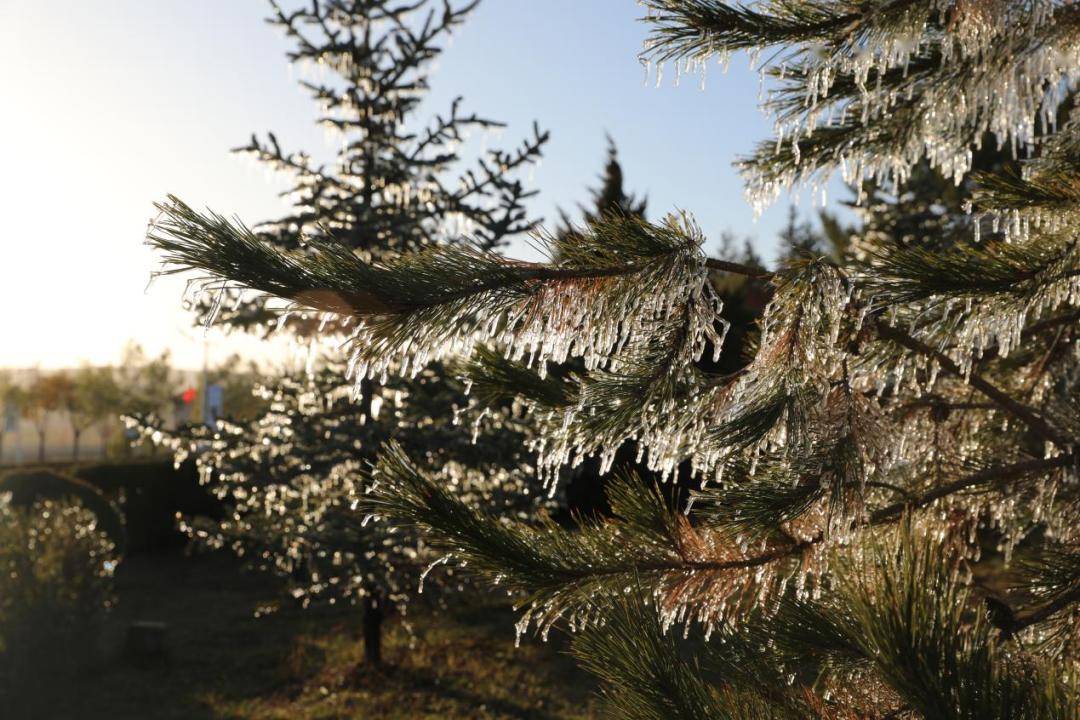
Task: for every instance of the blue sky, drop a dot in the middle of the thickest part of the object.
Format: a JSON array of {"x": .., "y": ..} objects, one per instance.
[{"x": 110, "y": 106}]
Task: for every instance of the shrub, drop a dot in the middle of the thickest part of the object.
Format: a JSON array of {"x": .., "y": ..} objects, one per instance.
[
  {"x": 30, "y": 486},
  {"x": 56, "y": 567}
]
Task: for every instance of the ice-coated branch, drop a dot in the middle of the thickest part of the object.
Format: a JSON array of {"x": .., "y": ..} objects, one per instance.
[
  {"x": 645, "y": 671},
  {"x": 607, "y": 287},
  {"x": 897, "y": 634},
  {"x": 982, "y": 477},
  {"x": 702, "y": 572},
  {"x": 873, "y": 88},
  {"x": 565, "y": 573},
  {"x": 915, "y": 274},
  {"x": 1029, "y": 416},
  {"x": 689, "y": 28}
]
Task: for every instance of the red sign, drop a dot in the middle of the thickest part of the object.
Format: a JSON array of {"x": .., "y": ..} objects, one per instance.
[{"x": 188, "y": 396}]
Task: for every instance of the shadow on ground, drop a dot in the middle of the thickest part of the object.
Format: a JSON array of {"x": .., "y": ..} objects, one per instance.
[{"x": 226, "y": 664}]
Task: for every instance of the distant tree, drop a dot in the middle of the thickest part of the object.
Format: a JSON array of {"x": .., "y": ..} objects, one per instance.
[
  {"x": 291, "y": 478},
  {"x": 95, "y": 398},
  {"x": 48, "y": 393},
  {"x": 799, "y": 238},
  {"x": 396, "y": 183},
  {"x": 837, "y": 234},
  {"x": 10, "y": 402},
  {"x": 147, "y": 384},
  {"x": 609, "y": 198}
]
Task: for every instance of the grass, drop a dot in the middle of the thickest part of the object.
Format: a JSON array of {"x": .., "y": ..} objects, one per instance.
[{"x": 294, "y": 664}]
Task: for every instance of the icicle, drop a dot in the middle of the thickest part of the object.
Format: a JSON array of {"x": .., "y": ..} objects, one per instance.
[{"x": 423, "y": 576}]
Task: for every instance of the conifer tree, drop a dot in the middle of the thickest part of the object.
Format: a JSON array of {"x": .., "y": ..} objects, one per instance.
[
  {"x": 609, "y": 198},
  {"x": 887, "y": 520},
  {"x": 799, "y": 238},
  {"x": 289, "y": 477}
]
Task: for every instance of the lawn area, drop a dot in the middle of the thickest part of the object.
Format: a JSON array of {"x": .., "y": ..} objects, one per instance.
[{"x": 306, "y": 664}]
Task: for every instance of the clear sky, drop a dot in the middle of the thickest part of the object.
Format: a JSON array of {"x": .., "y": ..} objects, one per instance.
[{"x": 109, "y": 106}]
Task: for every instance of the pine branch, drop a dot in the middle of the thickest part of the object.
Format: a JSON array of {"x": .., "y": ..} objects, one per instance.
[
  {"x": 689, "y": 28},
  {"x": 738, "y": 269},
  {"x": 835, "y": 66},
  {"x": 982, "y": 477},
  {"x": 564, "y": 573},
  {"x": 1025, "y": 414},
  {"x": 896, "y": 634},
  {"x": 761, "y": 510},
  {"x": 1051, "y": 575},
  {"x": 1050, "y": 181},
  {"x": 647, "y": 676},
  {"x": 829, "y": 478},
  {"x": 911, "y": 621},
  {"x": 492, "y": 378},
  {"x": 423, "y": 306},
  {"x": 1063, "y": 319},
  {"x": 1058, "y": 604},
  {"x": 1001, "y": 192},
  {"x": 451, "y": 294},
  {"x": 228, "y": 252},
  {"x": 914, "y": 274}
]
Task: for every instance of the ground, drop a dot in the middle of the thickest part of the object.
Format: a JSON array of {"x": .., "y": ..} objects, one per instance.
[{"x": 225, "y": 663}]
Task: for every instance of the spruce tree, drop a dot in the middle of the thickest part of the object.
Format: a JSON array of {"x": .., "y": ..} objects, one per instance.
[
  {"x": 799, "y": 239},
  {"x": 887, "y": 519},
  {"x": 289, "y": 477},
  {"x": 610, "y": 198}
]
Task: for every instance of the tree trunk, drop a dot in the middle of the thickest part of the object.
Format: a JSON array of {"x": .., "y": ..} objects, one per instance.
[
  {"x": 75, "y": 445},
  {"x": 41, "y": 446},
  {"x": 373, "y": 620},
  {"x": 105, "y": 432}
]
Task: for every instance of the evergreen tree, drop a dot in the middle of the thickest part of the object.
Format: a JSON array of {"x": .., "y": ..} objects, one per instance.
[
  {"x": 289, "y": 477},
  {"x": 291, "y": 480},
  {"x": 888, "y": 520},
  {"x": 608, "y": 199},
  {"x": 798, "y": 239}
]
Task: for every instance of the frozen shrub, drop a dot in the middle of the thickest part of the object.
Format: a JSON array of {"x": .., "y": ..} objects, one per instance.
[{"x": 56, "y": 567}]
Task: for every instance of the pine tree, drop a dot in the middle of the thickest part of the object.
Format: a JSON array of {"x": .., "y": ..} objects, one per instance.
[
  {"x": 609, "y": 198},
  {"x": 887, "y": 523},
  {"x": 798, "y": 239},
  {"x": 291, "y": 480},
  {"x": 289, "y": 477}
]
